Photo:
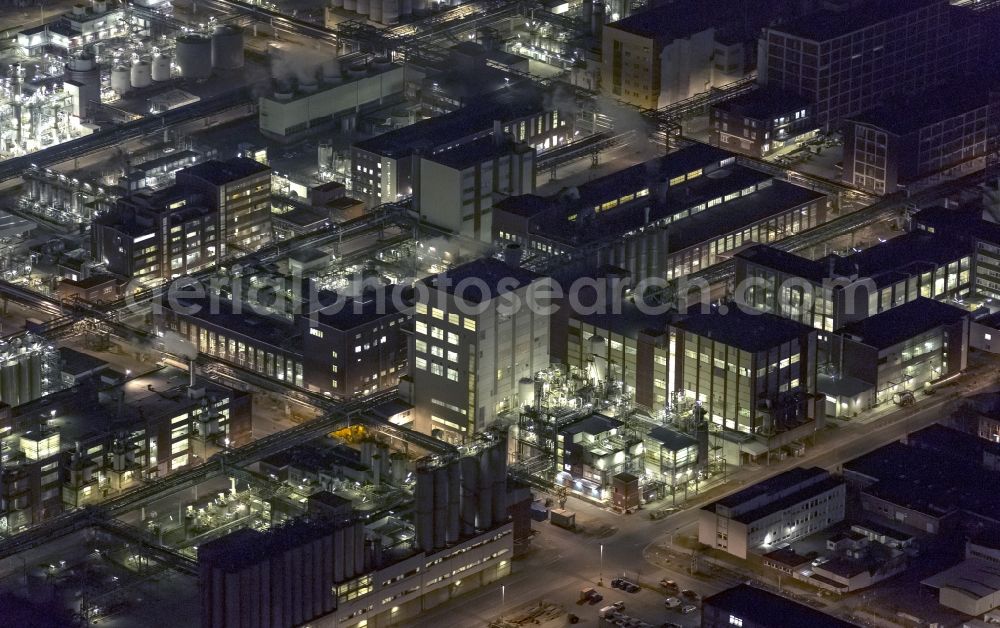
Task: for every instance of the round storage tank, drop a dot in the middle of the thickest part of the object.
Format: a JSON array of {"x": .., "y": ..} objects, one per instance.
[
  {"x": 121, "y": 79},
  {"x": 375, "y": 11},
  {"x": 227, "y": 47},
  {"x": 338, "y": 4},
  {"x": 350, "y": 5},
  {"x": 390, "y": 11},
  {"x": 381, "y": 64},
  {"x": 357, "y": 70},
  {"x": 364, "y": 6},
  {"x": 161, "y": 68},
  {"x": 142, "y": 74},
  {"x": 194, "y": 56}
]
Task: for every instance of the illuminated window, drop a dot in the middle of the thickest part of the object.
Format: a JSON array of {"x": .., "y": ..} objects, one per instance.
[
  {"x": 421, "y": 328},
  {"x": 677, "y": 180},
  {"x": 694, "y": 174},
  {"x": 421, "y": 308},
  {"x": 438, "y": 314},
  {"x": 735, "y": 621},
  {"x": 642, "y": 192},
  {"x": 316, "y": 332},
  {"x": 609, "y": 205},
  {"x": 453, "y": 319},
  {"x": 469, "y": 324},
  {"x": 421, "y": 346}
]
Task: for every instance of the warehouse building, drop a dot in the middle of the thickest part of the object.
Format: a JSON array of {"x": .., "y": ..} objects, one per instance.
[
  {"x": 668, "y": 217},
  {"x": 886, "y": 357},
  {"x": 782, "y": 509},
  {"x": 745, "y": 606}
]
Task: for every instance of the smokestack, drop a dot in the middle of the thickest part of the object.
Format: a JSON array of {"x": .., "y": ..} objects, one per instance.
[{"x": 191, "y": 373}]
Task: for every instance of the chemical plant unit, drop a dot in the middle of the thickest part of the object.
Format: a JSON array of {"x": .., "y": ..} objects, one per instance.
[
  {"x": 71, "y": 66},
  {"x": 587, "y": 437}
]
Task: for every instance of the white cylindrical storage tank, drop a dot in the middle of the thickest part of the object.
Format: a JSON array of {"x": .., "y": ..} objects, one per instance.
[
  {"x": 454, "y": 501},
  {"x": 484, "y": 514},
  {"x": 227, "y": 47},
  {"x": 121, "y": 79},
  {"x": 350, "y": 5},
  {"x": 470, "y": 495},
  {"x": 406, "y": 7},
  {"x": 375, "y": 11},
  {"x": 142, "y": 74},
  {"x": 310, "y": 86},
  {"x": 364, "y": 7},
  {"x": 161, "y": 68},
  {"x": 424, "y": 495},
  {"x": 440, "y": 507},
  {"x": 338, "y": 4},
  {"x": 526, "y": 392},
  {"x": 194, "y": 56},
  {"x": 390, "y": 11},
  {"x": 419, "y": 6}
]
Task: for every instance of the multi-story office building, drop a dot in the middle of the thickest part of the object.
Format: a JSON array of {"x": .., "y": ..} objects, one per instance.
[
  {"x": 475, "y": 337},
  {"x": 358, "y": 346},
  {"x": 76, "y": 446},
  {"x": 947, "y": 130},
  {"x": 975, "y": 229},
  {"x": 159, "y": 235},
  {"x": 214, "y": 209},
  {"x": 790, "y": 506},
  {"x": 760, "y": 122},
  {"x": 239, "y": 191},
  {"x": 457, "y": 188},
  {"x": 668, "y": 217},
  {"x": 834, "y": 291},
  {"x": 745, "y": 606},
  {"x": 845, "y": 58},
  {"x": 752, "y": 373},
  {"x": 349, "y": 346},
  {"x": 896, "y": 352},
  {"x": 385, "y": 168},
  {"x": 671, "y": 52}
]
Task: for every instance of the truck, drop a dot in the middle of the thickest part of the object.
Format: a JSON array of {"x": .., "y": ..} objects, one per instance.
[{"x": 562, "y": 518}]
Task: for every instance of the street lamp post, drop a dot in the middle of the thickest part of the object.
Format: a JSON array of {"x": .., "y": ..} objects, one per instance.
[{"x": 600, "y": 576}]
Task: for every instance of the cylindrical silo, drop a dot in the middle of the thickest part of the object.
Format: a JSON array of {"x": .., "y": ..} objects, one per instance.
[
  {"x": 350, "y": 5},
  {"x": 338, "y": 555},
  {"x": 454, "y": 501},
  {"x": 498, "y": 468},
  {"x": 398, "y": 464},
  {"x": 440, "y": 506},
  {"x": 390, "y": 11},
  {"x": 419, "y": 6},
  {"x": 121, "y": 79},
  {"x": 194, "y": 56},
  {"x": 227, "y": 47},
  {"x": 338, "y": 4},
  {"x": 349, "y": 570},
  {"x": 375, "y": 11},
  {"x": 360, "y": 565},
  {"x": 484, "y": 515},
  {"x": 406, "y": 7},
  {"x": 142, "y": 74},
  {"x": 8, "y": 383},
  {"x": 364, "y": 7},
  {"x": 24, "y": 378},
  {"x": 424, "y": 495},
  {"x": 161, "y": 68},
  {"x": 35, "y": 372},
  {"x": 82, "y": 68},
  {"x": 470, "y": 495},
  {"x": 357, "y": 70}
]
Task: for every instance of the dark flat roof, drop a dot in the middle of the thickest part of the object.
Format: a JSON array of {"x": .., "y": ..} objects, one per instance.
[
  {"x": 778, "y": 483},
  {"x": 594, "y": 424},
  {"x": 350, "y": 312},
  {"x": 222, "y": 172},
  {"x": 475, "y": 152},
  {"x": 764, "y": 103},
  {"x": 750, "y": 331},
  {"x": 77, "y": 362},
  {"x": 483, "y": 279},
  {"x": 428, "y": 136},
  {"x": 827, "y": 24},
  {"x": 768, "y": 610},
  {"x": 901, "y": 323},
  {"x": 902, "y": 115},
  {"x": 671, "y": 438}
]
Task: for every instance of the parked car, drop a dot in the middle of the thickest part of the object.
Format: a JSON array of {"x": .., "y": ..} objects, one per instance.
[
  {"x": 625, "y": 585},
  {"x": 689, "y": 594},
  {"x": 670, "y": 585},
  {"x": 689, "y": 608},
  {"x": 672, "y": 602}
]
